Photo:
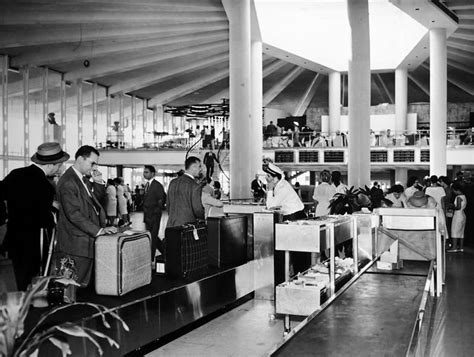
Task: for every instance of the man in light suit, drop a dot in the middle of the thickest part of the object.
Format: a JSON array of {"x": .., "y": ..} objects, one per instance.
[
  {"x": 29, "y": 196},
  {"x": 184, "y": 195},
  {"x": 81, "y": 216},
  {"x": 153, "y": 203}
]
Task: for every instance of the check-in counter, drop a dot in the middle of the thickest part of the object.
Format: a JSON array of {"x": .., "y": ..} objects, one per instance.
[{"x": 261, "y": 243}]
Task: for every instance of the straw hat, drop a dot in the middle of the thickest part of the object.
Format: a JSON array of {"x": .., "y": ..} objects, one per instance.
[
  {"x": 49, "y": 153},
  {"x": 419, "y": 199}
]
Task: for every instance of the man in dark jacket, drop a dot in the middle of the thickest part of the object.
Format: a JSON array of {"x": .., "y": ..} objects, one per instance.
[
  {"x": 208, "y": 161},
  {"x": 184, "y": 195},
  {"x": 81, "y": 216},
  {"x": 29, "y": 196},
  {"x": 153, "y": 204}
]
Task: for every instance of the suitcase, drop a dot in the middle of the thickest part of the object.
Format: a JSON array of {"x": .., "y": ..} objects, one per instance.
[
  {"x": 227, "y": 240},
  {"x": 186, "y": 251},
  {"x": 122, "y": 263}
]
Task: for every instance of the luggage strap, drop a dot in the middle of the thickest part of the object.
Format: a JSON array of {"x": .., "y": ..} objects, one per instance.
[{"x": 195, "y": 232}]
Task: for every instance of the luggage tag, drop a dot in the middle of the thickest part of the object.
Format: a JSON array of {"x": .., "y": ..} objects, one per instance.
[{"x": 195, "y": 233}]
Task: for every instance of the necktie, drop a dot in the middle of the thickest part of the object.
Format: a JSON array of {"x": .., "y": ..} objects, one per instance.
[
  {"x": 96, "y": 204},
  {"x": 147, "y": 185}
]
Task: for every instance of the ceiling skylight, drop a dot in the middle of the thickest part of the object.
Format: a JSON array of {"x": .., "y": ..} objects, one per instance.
[{"x": 318, "y": 30}]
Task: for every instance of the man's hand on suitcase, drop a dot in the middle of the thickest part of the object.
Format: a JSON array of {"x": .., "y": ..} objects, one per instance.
[{"x": 109, "y": 230}]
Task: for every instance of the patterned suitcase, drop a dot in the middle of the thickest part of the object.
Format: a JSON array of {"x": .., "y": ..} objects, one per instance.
[
  {"x": 186, "y": 251},
  {"x": 122, "y": 263}
]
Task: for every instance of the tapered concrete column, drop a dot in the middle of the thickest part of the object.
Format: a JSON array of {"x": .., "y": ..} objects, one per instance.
[
  {"x": 401, "y": 99},
  {"x": 334, "y": 101},
  {"x": 238, "y": 13},
  {"x": 359, "y": 94},
  {"x": 438, "y": 101},
  {"x": 256, "y": 95}
]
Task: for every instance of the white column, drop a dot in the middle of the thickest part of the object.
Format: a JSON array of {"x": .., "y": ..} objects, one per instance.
[
  {"x": 438, "y": 101},
  {"x": 26, "y": 112},
  {"x": 44, "y": 98},
  {"x": 401, "y": 99},
  {"x": 94, "y": 114},
  {"x": 256, "y": 95},
  {"x": 401, "y": 176},
  {"x": 359, "y": 94},
  {"x": 334, "y": 101},
  {"x": 6, "y": 151},
  {"x": 80, "y": 123},
  {"x": 238, "y": 13},
  {"x": 63, "y": 98}
]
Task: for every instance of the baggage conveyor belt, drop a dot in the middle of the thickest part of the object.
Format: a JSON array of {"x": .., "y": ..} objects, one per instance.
[{"x": 375, "y": 316}]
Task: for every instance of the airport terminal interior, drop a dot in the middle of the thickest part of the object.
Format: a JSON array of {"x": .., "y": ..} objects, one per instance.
[{"x": 330, "y": 147}]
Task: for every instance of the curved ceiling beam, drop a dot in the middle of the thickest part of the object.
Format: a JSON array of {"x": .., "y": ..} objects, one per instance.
[
  {"x": 419, "y": 84},
  {"x": 160, "y": 76},
  {"x": 184, "y": 89},
  {"x": 460, "y": 66},
  {"x": 460, "y": 53},
  {"x": 112, "y": 65},
  {"x": 465, "y": 14},
  {"x": 454, "y": 81},
  {"x": 463, "y": 34},
  {"x": 80, "y": 14},
  {"x": 267, "y": 70},
  {"x": 87, "y": 50},
  {"x": 308, "y": 95},
  {"x": 18, "y": 36},
  {"x": 466, "y": 24},
  {"x": 460, "y": 4},
  {"x": 380, "y": 83},
  {"x": 461, "y": 44},
  {"x": 278, "y": 87},
  {"x": 201, "y": 5}
]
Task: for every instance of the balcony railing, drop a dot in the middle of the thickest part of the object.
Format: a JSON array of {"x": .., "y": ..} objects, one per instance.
[{"x": 317, "y": 140}]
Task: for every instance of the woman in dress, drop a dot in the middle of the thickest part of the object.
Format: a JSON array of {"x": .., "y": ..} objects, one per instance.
[
  {"x": 122, "y": 202},
  {"x": 111, "y": 199},
  {"x": 397, "y": 197},
  {"x": 459, "y": 218},
  {"x": 323, "y": 193}
]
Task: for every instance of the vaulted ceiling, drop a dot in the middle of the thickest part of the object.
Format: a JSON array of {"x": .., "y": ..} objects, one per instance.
[{"x": 176, "y": 52}]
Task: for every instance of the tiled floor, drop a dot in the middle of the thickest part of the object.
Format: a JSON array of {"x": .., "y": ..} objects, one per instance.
[{"x": 245, "y": 331}]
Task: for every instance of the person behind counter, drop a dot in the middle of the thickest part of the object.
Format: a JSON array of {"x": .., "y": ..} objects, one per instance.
[{"x": 281, "y": 194}]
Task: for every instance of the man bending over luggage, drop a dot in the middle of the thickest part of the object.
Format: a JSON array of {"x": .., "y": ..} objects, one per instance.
[
  {"x": 184, "y": 195},
  {"x": 81, "y": 217}
]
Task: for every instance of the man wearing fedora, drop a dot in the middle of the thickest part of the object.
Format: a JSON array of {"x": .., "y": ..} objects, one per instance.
[
  {"x": 29, "y": 196},
  {"x": 81, "y": 216}
]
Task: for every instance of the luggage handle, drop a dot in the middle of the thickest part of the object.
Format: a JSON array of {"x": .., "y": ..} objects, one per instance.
[{"x": 195, "y": 231}]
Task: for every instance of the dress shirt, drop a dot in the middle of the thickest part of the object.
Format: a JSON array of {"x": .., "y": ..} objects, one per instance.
[
  {"x": 41, "y": 167},
  {"x": 340, "y": 189},
  {"x": 284, "y": 196}
]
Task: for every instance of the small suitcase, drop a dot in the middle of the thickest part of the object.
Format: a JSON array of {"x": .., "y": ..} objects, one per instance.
[
  {"x": 227, "y": 240},
  {"x": 186, "y": 251},
  {"x": 122, "y": 263}
]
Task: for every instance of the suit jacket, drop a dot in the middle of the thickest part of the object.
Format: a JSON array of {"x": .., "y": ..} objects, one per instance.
[
  {"x": 153, "y": 202},
  {"x": 184, "y": 201},
  {"x": 29, "y": 195},
  {"x": 78, "y": 222}
]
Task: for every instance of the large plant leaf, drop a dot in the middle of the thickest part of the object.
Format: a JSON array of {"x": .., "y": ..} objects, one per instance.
[
  {"x": 124, "y": 325},
  {"x": 61, "y": 345},
  {"x": 110, "y": 340},
  {"x": 77, "y": 331}
]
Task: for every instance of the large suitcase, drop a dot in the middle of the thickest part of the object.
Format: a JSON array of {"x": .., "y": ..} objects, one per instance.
[
  {"x": 227, "y": 240},
  {"x": 186, "y": 253},
  {"x": 122, "y": 263}
]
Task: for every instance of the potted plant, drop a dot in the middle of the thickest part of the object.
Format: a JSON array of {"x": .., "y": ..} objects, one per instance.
[{"x": 14, "y": 307}]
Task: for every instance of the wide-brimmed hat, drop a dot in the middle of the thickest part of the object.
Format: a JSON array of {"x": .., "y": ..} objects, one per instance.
[
  {"x": 49, "y": 153},
  {"x": 419, "y": 199}
]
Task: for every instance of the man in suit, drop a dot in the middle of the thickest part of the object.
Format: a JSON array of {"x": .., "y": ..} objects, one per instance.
[
  {"x": 81, "y": 216},
  {"x": 184, "y": 195},
  {"x": 153, "y": 204},
  {"x": 29, "y": 196}
]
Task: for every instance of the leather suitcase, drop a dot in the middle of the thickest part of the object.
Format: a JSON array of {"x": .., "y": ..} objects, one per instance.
[
  {"x": 186, "y": 253},
  {"x": 122, "y": 263},
  {"x": 227, "y": 240}
]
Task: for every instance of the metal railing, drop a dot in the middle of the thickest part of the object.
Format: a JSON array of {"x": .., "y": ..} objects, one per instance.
[{"x": 382, "y": 139}]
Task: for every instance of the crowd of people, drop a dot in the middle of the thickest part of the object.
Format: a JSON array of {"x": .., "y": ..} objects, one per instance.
[{"x": 82, "y": 206}]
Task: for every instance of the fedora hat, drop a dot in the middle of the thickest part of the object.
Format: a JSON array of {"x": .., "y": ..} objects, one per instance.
[
  {"x": 418, "y": 199},
  {"x": 49, "y": 153}
]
